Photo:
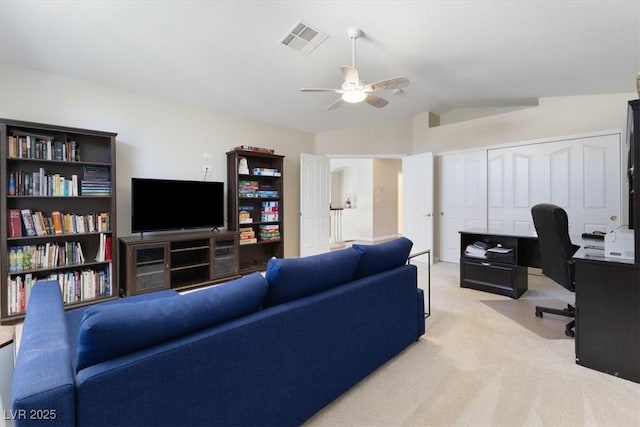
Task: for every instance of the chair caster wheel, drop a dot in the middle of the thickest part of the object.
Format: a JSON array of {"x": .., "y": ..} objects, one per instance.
[
  {"x": 538, "y": 314},
  {"x": 570, "y": 333}
]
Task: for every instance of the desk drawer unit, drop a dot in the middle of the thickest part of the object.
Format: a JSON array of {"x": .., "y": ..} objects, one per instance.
[{"x": 495, "y": 277}]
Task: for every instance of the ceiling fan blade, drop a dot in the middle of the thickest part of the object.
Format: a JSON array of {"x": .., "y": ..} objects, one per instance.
[
  {"x": 376, "y": 101},
  {"x": 338, "y": 102},
  {"x": 313, "y": 89},
  {"x": 390, "y": 84},
  {"x": 350, "y": 74}
]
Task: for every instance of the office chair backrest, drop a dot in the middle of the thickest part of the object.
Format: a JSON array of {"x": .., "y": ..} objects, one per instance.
[{"x": 556, "y": 249}]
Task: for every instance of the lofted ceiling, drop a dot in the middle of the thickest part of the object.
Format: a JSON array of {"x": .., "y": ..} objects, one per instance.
[{"x": 227, "y": 55}]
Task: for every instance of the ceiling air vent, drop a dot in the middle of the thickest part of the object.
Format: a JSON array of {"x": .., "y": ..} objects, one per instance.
[{"x": 303, "y": 38}]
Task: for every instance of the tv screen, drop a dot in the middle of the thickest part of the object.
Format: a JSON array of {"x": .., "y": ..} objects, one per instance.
[{"x": 165, "y": 204}]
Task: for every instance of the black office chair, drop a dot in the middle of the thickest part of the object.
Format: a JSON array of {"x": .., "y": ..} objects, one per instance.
[{"x": 556, "y": 252}]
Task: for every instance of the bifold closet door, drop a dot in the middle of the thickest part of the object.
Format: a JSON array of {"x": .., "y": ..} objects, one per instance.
[{"x": 581, "y": 175}]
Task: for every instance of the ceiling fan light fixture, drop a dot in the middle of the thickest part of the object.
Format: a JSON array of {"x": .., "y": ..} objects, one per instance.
[{"x": 353, "y": 97}]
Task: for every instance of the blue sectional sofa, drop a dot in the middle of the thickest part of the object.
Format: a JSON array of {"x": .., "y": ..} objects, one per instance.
[{"x": 259, "y": 350}]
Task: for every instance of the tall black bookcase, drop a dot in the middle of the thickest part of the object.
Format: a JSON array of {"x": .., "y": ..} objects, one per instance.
[
  {"x": 57, "y": 214},
  {"x": 256, "y": 206}
]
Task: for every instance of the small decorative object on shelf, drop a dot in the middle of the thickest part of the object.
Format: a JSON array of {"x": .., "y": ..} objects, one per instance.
[
  {"x": 255, "y": 205},
  {"x": 243, "y": 166},
  {"x": 58, "y": 210},
  {"x": 254, "y": 149}
]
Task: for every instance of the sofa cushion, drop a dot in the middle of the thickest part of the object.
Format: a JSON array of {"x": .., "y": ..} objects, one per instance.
[
  {"x": 293, "y": 278},
  {"x": 382, "y": 256},
  {"x": 111, "y": 330}
]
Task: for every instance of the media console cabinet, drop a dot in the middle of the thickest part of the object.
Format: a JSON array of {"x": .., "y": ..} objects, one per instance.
[{"x": 180, "y": 260}]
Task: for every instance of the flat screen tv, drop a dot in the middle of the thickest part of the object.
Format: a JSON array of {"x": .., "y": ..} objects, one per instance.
[{"x": 168, "y": 204}]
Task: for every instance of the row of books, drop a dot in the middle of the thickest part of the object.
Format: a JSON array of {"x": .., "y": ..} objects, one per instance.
[
  {"x": 41, "y": 183},
  {"x": 75, "y": 286},
  {"x": 54, "y": 255},
  {"x": 23, "y": 222},
  {"x": 42, "y": 148},
  {"x": 48, "y": 255}
]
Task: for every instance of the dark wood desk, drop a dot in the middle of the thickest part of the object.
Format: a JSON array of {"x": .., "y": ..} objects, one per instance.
[
  {"x": 504, "y": 277},
  {"x": 607, "y": 314}
]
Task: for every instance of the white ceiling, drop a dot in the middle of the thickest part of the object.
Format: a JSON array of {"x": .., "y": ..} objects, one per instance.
[{"x": 227, "y": 55}]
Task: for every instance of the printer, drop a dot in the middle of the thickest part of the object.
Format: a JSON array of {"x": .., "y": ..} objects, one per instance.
[{"x": 619, "y": 243}]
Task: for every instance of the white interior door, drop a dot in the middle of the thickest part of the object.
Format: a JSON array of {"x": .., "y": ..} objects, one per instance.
[
  {"x": 417, "y": 200},
  {"x": 315, "y": 182},
  {"x": 462, "y": 198}
]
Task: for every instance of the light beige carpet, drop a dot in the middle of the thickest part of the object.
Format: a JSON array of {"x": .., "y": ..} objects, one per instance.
[
  {"x": 522, "y": 311},
  {"x": 477, "y": 367}
]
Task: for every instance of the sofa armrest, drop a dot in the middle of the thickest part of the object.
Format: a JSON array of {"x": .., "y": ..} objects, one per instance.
[{"x": 43, "y": 380}]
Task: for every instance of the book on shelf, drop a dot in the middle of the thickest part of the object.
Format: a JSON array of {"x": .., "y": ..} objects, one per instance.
[
  {"x": 101, "y": 254},
  {"x": 248, "y": 241},
  {"x": 27, "y": 220},
  {"x": 247, "y": 235},
  {"x": 265, "y": 172},
  {"x": 14, "y": 223},
  {"x": 269, "y": 232},
  {"x": 57, "y": 222},
  {"x": 267, "y": 191}
]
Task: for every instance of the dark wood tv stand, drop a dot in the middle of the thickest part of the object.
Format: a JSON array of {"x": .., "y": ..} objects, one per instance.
[{"x": 179, "y": 260}]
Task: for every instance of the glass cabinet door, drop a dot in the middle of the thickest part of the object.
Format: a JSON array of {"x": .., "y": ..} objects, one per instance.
[
  {"x": 225, "y": 257},
  {"x": 150, "y": 268}
]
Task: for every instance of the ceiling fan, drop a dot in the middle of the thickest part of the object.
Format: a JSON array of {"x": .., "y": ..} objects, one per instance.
[{"x": 353, "y": 90}]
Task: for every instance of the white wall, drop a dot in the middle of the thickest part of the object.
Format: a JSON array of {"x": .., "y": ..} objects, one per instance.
[
  {"x": 156, "y": 138},
  {"x": 392, "y": 138},
  {"x": 385, "y": 198},
  {"x": 553, "y": 117}
]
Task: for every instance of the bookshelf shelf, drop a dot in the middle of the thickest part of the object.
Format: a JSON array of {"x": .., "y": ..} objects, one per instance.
[
  {"x": 258, "y": 198},
  {"x": 45, "y": 169}
]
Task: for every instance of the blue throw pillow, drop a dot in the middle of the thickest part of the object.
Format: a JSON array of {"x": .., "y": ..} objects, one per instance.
[
  {"x": 382, "y": 256},
  {"x": 293, "y": 278},
  {"x": 111, "y": 330}
]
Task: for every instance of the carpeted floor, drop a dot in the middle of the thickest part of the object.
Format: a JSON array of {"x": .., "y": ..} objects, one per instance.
[{"x": 481, "y": 363}]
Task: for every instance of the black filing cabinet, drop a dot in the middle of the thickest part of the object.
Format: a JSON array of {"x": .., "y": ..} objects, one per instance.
[{"x": 503, "y": 277}]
